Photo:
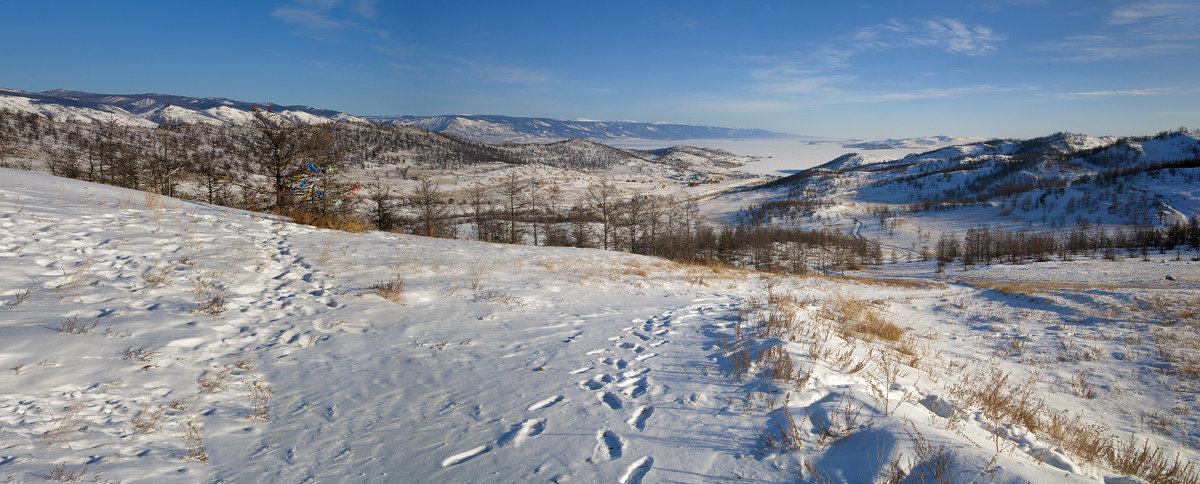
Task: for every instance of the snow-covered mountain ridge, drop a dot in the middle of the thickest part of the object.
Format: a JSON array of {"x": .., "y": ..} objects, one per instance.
[
  {"x": 499, "y": 129},
  {"x": 1059, "y": 158},
  {"x": 149, "y": 110},
  {"x": 927, "y": 142}
]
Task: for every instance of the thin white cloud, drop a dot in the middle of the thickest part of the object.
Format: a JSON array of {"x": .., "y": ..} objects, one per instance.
[
  {"x": 1115, "y": 93},
  {"x": 958, "y": 38},
  {"x": 1144, "y": 11},
  {"x": 787, "y": 79},
  {"x": 328, "y": 14},
  {"x": 950, "y": 35},
  {"x": 366, "y": 8},
  {"x": 307, "y": 18},
  {"x": 1126, "y": 45},
  {"x": 939, "y": 93}
]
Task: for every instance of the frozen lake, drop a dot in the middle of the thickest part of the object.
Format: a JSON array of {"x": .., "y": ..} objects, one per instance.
[{"x": 778, "y": 156}]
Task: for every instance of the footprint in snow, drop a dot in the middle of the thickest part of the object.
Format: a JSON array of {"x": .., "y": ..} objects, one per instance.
[
  {"x": 636, "y": 471},
  {"x": 634, "y": 387},
  {"x": 461, "y": 457},
  {"x": 639, "y": 418},
  {"x": 544, "y": 403},
  {"x": 521, "y": 432},
  {"x": 611, "y": 399},
  {"x": 636, "y": 348},
  {"x": 608, "y": 447},
  {"x": 618, "y": 363},
  {"x": 592, "y": 384}
]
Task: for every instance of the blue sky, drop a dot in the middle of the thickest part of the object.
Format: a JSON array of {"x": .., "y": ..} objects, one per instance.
[{"x": 837, "y": 69}]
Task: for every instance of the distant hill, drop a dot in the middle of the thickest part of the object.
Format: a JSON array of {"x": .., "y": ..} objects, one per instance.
[
  {"x": 1133, "y": 180},
  {"x": 927, "y": 142},
  {"x": 500, "y": 129},
  {"x": 149, "y": 110}
]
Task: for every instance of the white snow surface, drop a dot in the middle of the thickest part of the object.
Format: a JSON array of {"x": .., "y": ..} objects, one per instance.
[
  {"x": 498, "y": 364},
  {"x": 84, "y": 115},
  {"x": 780, "y": 156}
]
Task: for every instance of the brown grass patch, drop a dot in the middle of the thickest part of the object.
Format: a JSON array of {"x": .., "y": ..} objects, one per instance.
[
  {"x": 1028, "y": 287},
  {"x": 863, "y": 317},
  {"x": 334, "y": 222},
  {"x": 392, "y": 290}
]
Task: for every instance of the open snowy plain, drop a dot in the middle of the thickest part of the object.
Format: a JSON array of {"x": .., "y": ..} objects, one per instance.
[
  {"x": 148, "y": 339},
  {"x": 776, "y": 156}
]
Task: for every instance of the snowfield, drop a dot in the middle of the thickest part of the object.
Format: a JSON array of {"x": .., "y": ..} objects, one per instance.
[{"x": 149, "y": 339}]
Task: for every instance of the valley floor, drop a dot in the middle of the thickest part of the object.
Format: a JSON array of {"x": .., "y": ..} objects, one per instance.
[{"x": 148, "y": 339}]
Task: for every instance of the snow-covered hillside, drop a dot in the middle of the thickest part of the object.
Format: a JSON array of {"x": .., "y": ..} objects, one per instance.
[
  {"x": 926, "y": 143},
  {"x": 155, "y": 109},
  {"x": 148, "y": 339},
  {"x": 503, "y": 129}
]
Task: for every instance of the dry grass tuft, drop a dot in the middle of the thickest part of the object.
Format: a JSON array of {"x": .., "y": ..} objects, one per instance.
[
  {"x": 392, "y": 290},
  {"x": 260, "y": 399},
  {"x": 155, "y": 276},
  {"x": 937, "y": 464},
  {"x": 499, "y": 297},
  {"x": 21, "y": 295},
  {"x": 147, "y": 421},
  {"x": 76, "y": 277},
  {"x": 334, "y": 222},
  {"x": 1001, "y": 400},
  {"x": 63, "y": 473},
  {"x": 213, "y": 381},
  {"x": 73, "y": 326},
  {"x": 898, "y": 282},
  {"x": 194, "y": 440},
  {"x": 787, "y": 435},
  {"x": 139, "y": 354},
  {"x": 67, "y": 422},
  {"x": 1090, "y": 442},
  {"x": 210, "y": 296},
  {"x": 853, "y": 315},
  {"x": 841, "y": 424},
  {"x": 1081, "y": 387},
  {"x": 1150, "y": 463}
]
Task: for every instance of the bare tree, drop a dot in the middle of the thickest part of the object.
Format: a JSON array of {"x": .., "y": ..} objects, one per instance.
[
  {"x": 603, "y": 202},
  {"x": 514, "y": 203},
  {"x": 581, "y": 233},
  {"x": 481, "y": 208},
  {"x": 214, "y": 176},
  {"x": 280, "y": 143},
  {"x": 431, "y": 208},
  {"x": 326, "y": 187},
  {"x": 8, "y": 145},
  {"x": 169, "y": 157},
  {"x": 381, "y": 199},
  {"x": 634, "y": 214},
  {"x": 64, "y": 162}
]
